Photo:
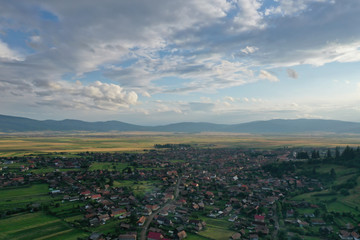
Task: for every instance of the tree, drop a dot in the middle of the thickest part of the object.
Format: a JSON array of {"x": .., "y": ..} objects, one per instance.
[
  {"x": 315, "y": 154},
  {"x": 333, "y": 174},
  {"x": 348, "y": 153},
  {"x": 302, "y": 155},
  {"x": 282, "y": 235},
  {"x": 337, "y": 153},
  {"x": 328, "y": 154}
]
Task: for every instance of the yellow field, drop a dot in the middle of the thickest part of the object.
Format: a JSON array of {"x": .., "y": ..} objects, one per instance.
[{"x": 18, "y": 145}]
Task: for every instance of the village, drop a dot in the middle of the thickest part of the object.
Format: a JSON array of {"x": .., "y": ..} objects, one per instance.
[{"x": 180, "y": 192}]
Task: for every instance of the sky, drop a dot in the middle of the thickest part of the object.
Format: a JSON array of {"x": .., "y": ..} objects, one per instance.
[{"x": 166, "y": 61}]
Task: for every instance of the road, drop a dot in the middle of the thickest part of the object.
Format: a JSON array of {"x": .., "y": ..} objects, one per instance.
[
  {"x": 151, "y": 217},
  {"x": 276, "y": 224}
]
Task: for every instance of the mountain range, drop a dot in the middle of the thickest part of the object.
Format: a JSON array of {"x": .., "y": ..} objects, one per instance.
[{"x": 20, "y": 124}]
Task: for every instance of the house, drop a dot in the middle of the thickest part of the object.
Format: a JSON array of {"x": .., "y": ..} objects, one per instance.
[
  {"x": 302, "y": 223},
  {"x": 254, "y": 237},
  {"x": 94, "y": 222},
  {"x": 141, "y": 220},
  {"x": 95, "y": 196},
  {"x": 85, "y": 193},
  {"x": 181, "y": 235},
  {"x": 209, "y": 194},
  {"x": 262, "y": 229},
  {"x": 127, "y": 236},
  {"x": 259, "y": 218},
  {"x": 345, "y": 235},
  {"x": 96, "y": 236},
  {"x": 290, "y": 213},
  {"x": 164, "y": 221},
  {"x": 236, "y": 236},
  {"x": 125, "y": 226},
  {"x": 317, "y": 222},
  {"x": 199, "y": 225},
  {"x": 355, "y": 235},
  {"x": 120, "y": 213},
  {"x": 233, "y": 218},
  {"x": 310, "y": 215},
  {"x": 168, "y": 196},
  {"x": 104, "y": 217},
  {"x": 155, "y": 236}
]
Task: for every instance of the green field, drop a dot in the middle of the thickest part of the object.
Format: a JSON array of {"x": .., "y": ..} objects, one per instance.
[
  {"x": 216, "y": 229},
  {"x": 40, "y": 143},
  {"x": 110, "y": 166},
  {"x": 20, "y": 197},
  {"x": 342, "y": 203},
  {"x": 37, "y": 226},
  {"x": 193, "y": 236}
]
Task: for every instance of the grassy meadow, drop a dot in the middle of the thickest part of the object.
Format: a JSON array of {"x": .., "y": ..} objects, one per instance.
[
  {"x": 20, "y": 197},
  {"x": 37, "y": 226},
  {"x": 334, "y": 200},
  {"x": 19, "y": 145},
  {"x": 216, "y": 229}
]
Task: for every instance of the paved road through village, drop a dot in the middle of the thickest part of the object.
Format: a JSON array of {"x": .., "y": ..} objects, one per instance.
[{"x": 151, "y": 217}]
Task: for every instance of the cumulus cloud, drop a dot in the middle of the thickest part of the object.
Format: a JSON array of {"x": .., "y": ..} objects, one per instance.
[
  {"x": 207, "y": 45},
  {"x": 95, "y": 95},
  {"x": 292, "y": 73},
  {"x": 7, "y": 54},
  {"x": 249, "y": 17},
  {"x": 110, "y": 93}
]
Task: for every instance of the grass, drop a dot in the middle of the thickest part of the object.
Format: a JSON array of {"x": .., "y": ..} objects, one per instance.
[
  {"x": 138, "y": 187},
  {"x": 216, "y": 229},
  {"x": 193, "y": 236},
  {"x": 67, "y": 209},
  {"x": 36, "y": 226},
  {"x": 342, "y": 203},
  {"x": 20, "y": 197},
  {"x": 109, "y": 226},
  {"x": 111, "y": 166}
]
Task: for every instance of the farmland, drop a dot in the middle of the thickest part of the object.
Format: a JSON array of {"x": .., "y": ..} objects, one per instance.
[
  {"x": 37, "y": 226},
  {"x": 223, "y": 189},
  {"x": 19, "y": 145},
  {"x": 20, "y": 197}
]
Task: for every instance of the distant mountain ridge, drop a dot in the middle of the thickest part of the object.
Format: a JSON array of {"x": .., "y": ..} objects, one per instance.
[{"x": 21, "y": 124}]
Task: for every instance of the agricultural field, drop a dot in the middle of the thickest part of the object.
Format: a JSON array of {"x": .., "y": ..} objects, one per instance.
[
  {"x": 37, "y": 226},
  {"x": 17, "y": 145},
  {"x": 21, "y": 197},
  {"x": 336, "y": 201},
  {"x": 216, "y": 229},
  {"x": 110, "y": 166},
  {"x": 343, "y": 207}
]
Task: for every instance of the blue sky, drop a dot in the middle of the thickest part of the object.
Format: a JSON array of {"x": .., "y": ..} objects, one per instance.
[{"x": 156, "y": 62}]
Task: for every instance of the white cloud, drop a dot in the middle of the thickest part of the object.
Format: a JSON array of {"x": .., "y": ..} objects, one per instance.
[
  {"x": 268, "y": 76},
  {"x": 293, "y": 7},
  {"x": 140, "y": 47},
  {"x": 95, "y": 95},
  {"x": 7, "y": 54},
  {"x": 249, "y": 49},
  {"x": 249, "y": 17},
  {"x": 230, "y": 99},
  {"x": 334, "y": 52}
]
